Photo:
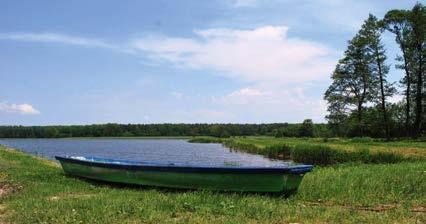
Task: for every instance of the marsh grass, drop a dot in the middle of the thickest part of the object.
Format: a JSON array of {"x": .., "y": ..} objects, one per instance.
[
  {"x": 338, "y": 194},
  {"x": 318, "y": 152}
]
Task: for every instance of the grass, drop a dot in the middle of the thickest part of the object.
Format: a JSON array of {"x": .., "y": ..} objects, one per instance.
[
  {"x": 34, "y": 190},
  {"x": 325, "y": 152}
]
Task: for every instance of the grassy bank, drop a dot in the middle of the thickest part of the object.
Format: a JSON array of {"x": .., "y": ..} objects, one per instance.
[
  {"x": 325, "y": 151},
  {"x": 33, "y": 190}
]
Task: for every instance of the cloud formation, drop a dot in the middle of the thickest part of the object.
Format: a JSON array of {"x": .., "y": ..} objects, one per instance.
[
  {"x": 264, "y": 54},
  {"x": 288, "y": 103},
  {"x": 272, "y": 63},
  {"x": 58, "y": 38},
  {"x": 18, "y": 108}
]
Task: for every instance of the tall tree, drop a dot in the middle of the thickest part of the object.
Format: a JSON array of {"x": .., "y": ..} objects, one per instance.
[
  {"x": 371, "y": 32},
  {"x": 418, "y": 22},
  {"x": 352, "y": 81},
  {"x": 397, "y": 22}
]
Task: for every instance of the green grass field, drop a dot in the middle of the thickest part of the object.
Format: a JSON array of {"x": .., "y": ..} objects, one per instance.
[{"x": 34, "y": 190}]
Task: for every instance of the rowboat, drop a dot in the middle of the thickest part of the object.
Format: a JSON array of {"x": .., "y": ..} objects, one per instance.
[{"x": 284, "y": 179}]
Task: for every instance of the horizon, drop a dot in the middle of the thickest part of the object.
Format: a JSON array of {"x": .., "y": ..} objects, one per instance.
[
  {"x": 94, "y": 124},
  {"x": 218, "y": 62}
]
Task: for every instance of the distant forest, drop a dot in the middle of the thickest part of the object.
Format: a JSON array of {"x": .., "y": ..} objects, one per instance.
[
  {"x": 358, "y": 97},
  {"x": 306, "y": 129}
]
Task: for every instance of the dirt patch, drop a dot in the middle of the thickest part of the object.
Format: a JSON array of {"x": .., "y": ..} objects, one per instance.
[
  {"x": 419, "y": 208},
  {"x": 69, "y": 196},
  {"x": 376, "y": 208},
  {"x": 6, "y": 189}
]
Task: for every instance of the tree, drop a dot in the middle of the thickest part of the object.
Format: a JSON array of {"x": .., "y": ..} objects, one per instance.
[
  {"x": 409, "y": 27},
  {"x": 417, "y": 20},
  {"x": 337, "y": 117},
  {"x": 397, "y": 22},
  {"x": 352, "y": 81},
  {"x": 371, "y": 31},
  {"x": 307, "y": 128}
]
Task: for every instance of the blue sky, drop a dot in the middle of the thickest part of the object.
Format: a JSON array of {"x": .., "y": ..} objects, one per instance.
[{"x": 238, "y": 61}]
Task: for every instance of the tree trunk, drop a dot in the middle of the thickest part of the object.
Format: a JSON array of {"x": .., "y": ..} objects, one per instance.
[
  {"x": 383, "y": 97},
  {"x": 359, "y": 115},
  {"x": 418, "y": 120},
  {"x": 407, "y": 92}
]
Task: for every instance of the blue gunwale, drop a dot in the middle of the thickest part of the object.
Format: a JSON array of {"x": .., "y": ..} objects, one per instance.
[{"x": 137, "y": 165}]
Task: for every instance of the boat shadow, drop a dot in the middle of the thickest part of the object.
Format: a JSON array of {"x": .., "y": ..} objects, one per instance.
[{"x": 102, "y": 183}]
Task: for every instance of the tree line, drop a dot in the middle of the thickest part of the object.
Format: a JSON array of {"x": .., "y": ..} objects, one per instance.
[
  {"x": 358, "y": 98},
  {"x": 135, "y": 130}
]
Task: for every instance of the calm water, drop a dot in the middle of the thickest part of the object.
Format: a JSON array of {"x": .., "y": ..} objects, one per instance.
[{"x": 148, "y": 150}]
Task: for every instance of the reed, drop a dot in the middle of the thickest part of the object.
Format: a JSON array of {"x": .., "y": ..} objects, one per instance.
[{"x": 316, "y": 152}]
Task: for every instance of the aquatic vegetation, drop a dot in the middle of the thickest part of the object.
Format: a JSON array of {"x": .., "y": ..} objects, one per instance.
[{"x": 317, "y": 152}]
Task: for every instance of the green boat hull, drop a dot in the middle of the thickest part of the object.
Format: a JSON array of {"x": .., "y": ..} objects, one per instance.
[{"x": 224, "y": 181}]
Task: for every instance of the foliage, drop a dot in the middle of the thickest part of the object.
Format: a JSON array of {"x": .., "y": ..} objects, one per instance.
[
  {"x": 357, "y": 97},
  {"x": 134, "y": 130},
  {"x": 307, "y": 128}
]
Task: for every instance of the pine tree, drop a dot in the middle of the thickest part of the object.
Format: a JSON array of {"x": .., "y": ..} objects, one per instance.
[{"x": 371, "y": 32}]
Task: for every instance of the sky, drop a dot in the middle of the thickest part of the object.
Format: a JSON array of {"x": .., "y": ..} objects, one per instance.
[{"x": 187, "y": 61}]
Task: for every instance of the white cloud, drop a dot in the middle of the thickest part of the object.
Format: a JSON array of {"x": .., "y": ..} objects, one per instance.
[
  {"x": 60, "y": 38},
  {"x": 18, "y": 108},
  {"x": 396, "y": 98},
  {"x": 247, "y": 92},
  {"x": 273, "y": 64},
  {"x": 290, "y": 104},
  {"x": 264, "y": 54}
]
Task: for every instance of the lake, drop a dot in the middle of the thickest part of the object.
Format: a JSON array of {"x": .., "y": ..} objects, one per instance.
[{"x": 146, "y": 150}]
